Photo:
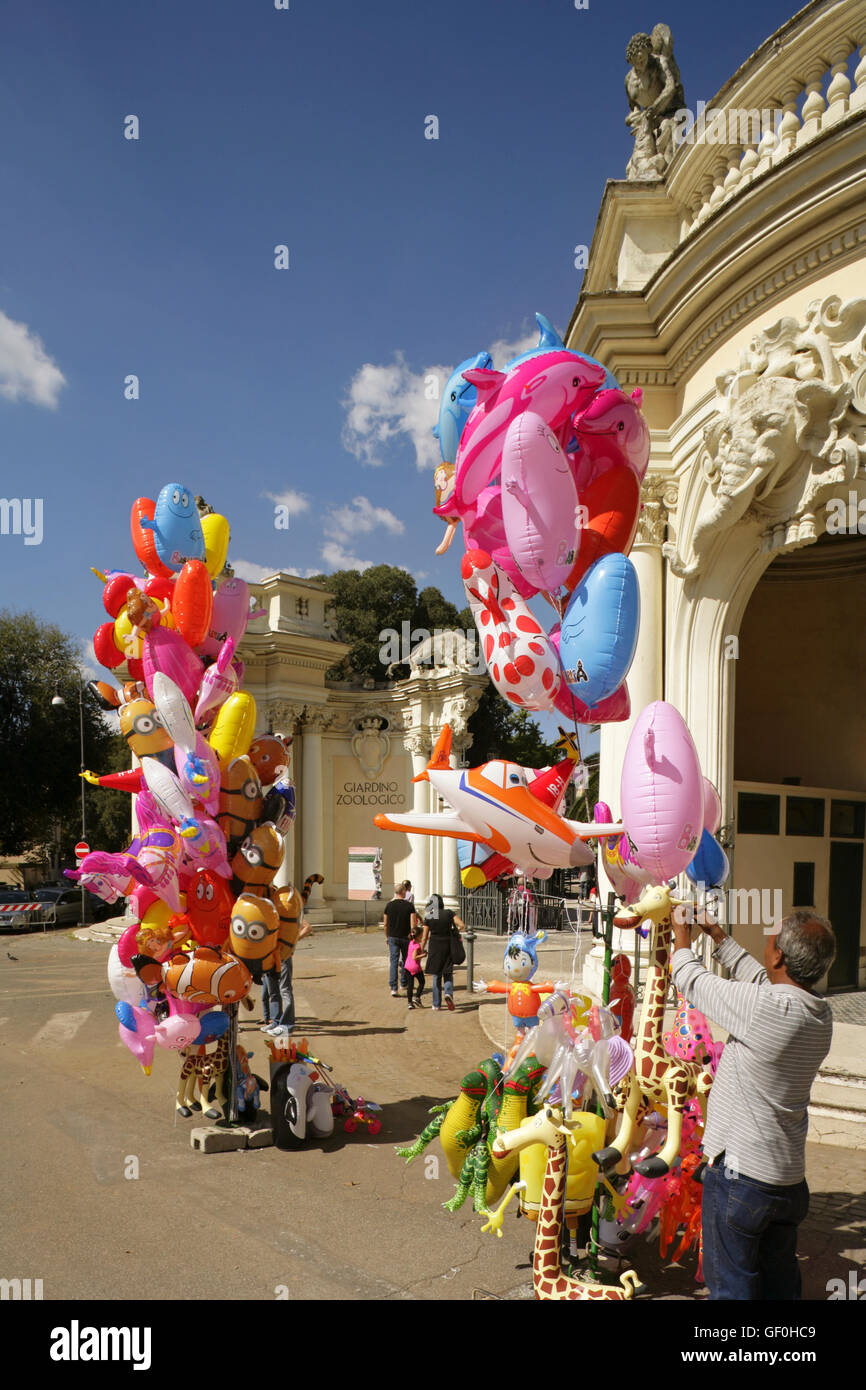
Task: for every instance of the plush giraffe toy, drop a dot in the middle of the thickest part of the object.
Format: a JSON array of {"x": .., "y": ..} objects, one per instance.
[
  {"x": 549, "y": 1280},
  {"x": 657, "y": 1077}
]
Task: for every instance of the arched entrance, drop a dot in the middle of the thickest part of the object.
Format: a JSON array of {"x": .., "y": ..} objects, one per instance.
[{"x": 799, "y": 741}]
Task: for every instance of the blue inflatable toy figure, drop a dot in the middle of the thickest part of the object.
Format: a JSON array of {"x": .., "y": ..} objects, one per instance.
[
  {"x": 248, "y": 1087},
  {"x": 599, "y": 630},
  {"x": 458, "y": 400},
  {"x": 520, "y": 963},
  {"x": 176, "y": 527},
  {"x": 710, "y": 865}
]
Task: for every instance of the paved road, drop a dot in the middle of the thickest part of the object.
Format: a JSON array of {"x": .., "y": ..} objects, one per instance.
[{"x": 342, "y": 1219}]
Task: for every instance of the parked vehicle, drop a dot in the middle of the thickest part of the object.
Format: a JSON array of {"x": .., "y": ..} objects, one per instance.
[{"x": 52, "y": 905}]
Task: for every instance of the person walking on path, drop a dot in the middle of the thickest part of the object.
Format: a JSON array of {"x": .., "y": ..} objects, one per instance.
[
  {"x": 755, "y": 1192},
  {"x": 439, "y": 925},
  {"x": 413, "y": 975},
  {"x": 400, "y": 918}
]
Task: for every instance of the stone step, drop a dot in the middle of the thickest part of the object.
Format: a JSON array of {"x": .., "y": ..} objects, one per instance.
[
  {"x": 840, "y": 1091},
  {"x": 837, "y": 1125}
]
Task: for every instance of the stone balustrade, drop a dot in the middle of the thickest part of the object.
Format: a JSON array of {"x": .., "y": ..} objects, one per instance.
[{"x": 800, "y": 75}]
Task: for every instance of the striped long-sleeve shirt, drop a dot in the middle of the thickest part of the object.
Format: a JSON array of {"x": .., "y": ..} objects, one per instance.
[{"x": 779, "y": 1036}]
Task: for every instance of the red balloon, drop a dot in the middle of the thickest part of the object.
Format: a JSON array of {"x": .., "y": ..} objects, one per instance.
[
  {"x": 144, "y": 541},
  {"x": 157, "y": 587},
  {"x": 105, "y": 647},
  {"x": 192, "y": 605},
  {"x": 115, "y": 591},
  {"x": 209, "y": 902},
  {"x": 135, "y": 667},
  {"x": 613, "y": 506}
]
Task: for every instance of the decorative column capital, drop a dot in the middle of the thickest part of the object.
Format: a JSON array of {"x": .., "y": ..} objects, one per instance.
[
  {"x": 317, "y": 719},
  {"x": 282, "y": 714},
  {"x": 658, "y": 498}
]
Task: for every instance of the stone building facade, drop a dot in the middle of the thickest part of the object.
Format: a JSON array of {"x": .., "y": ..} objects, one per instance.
[{"x": 733, "y": 291}]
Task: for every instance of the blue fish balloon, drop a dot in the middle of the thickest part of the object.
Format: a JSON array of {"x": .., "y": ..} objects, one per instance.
[{"x": 457, "y": 403}]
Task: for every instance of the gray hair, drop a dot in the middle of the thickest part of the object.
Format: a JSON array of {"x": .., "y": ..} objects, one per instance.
[{"x": 807, "y": 944}]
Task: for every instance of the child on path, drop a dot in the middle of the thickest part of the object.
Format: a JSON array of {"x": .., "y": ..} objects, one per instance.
[{"x": 412, "y": 972}]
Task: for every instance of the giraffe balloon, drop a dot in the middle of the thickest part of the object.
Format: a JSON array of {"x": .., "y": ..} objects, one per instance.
[
  {"x": 549, "y": 1280},
  {"x": 657, "y": 1077}
]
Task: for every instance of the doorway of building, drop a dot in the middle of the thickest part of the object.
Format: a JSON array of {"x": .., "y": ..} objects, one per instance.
[{"x": 843, "y": 909}]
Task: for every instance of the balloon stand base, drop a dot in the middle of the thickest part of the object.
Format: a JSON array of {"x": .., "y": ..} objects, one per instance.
[{"x": 210, "y": 1139}]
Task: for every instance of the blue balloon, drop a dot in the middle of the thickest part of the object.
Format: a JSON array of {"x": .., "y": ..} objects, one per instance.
[
  {"x": 176, "y": 527},
  {"x": 458, "y": 400},
  {"x": 599, "y": 630},
  {"x": 710, "y": 865}
]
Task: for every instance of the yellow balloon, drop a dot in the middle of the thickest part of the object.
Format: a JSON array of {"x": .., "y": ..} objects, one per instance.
[
  {"x": 234, "y": 726},
  {"x": 215, "y": 529},
  {"x": 124, "y": 640},
  {"x": 582, "y": 1171}
]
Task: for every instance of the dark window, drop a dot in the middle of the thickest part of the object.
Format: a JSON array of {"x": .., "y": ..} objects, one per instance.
[
  {"x": 804, "y": 815},
  {"x": 848, "y": 819},
  {"x": 804, "y": 885},
  {"x": 757, "y": 813}
]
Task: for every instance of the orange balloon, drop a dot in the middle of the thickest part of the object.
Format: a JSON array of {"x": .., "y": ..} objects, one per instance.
[
  {"x": 144, "y": 542},
  {"x": 192, "y": 604}
]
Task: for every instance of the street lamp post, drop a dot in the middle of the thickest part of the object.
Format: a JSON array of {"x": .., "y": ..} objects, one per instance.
[{"x": 57, "y": 701}]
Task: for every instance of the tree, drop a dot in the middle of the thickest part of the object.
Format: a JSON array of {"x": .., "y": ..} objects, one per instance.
[
  {"x": 382, "y": 599},
  {"x": 40, "y": 796}
]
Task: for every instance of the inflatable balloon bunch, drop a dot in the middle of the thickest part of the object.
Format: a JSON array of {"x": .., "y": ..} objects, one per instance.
[
  {"x": 212, "y": 801},
  {"x": 542, "y": 463}
]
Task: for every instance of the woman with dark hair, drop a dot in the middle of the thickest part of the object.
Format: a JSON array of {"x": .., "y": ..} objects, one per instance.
[{"x": 439, "y": 925}]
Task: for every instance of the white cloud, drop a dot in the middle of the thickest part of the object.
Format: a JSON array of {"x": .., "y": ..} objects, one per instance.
[
  {"x": 254, "y": 573},
  {"x": 26, "y": 370},
  {"x": 251, "y": 572},
  {"x": 294, "y": 502},
  {"x": 360, "y": 517},
  {"x": 387, "y": 403},
  {"x": 340, "y": 559}
]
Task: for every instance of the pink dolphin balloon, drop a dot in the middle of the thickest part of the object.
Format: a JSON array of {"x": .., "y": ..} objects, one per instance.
[
  {"x": 662, "y": 792},
  {"x": 218, "y": 682},
  {"x": 166, "y": 651},
  {"x": 611, "y": 431},
  {"x": 554, "y": 385},
  {"x": 539, "y": 502}
]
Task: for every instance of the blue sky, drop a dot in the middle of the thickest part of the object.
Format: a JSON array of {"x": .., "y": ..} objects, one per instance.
[{"x": 303, "y": 127}]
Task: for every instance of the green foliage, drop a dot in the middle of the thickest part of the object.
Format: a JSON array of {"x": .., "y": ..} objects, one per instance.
[
  {"x": 384, "y": 597},
  {"x": 40, "y": 789}
]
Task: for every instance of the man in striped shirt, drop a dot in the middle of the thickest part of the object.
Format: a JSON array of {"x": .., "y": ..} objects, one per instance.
[{"x": 755, "y": 1192}]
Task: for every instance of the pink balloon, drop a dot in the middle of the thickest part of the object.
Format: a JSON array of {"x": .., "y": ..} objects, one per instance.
[
  {"x": 484, "y": 529},
  {"x": 231, "y": 610},
  {"x": 712, "y": 807},
  {"x": 539, "y": 501},
  {"x": 166, "y": 651},
  {"x": 140, "y": 1040},
  {"x": 177, "y": 1031},
  {"x": 662, "y": 792}
]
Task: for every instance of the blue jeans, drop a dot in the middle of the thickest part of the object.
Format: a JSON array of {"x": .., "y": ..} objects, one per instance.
[
  {"x": 442, "y": 985},
  {"x": 750, "y": 1237},
  {"x": 397, "y": 949},
  {"x": 287, "y": 1017},
  {"x": 271, "y": 1005}
]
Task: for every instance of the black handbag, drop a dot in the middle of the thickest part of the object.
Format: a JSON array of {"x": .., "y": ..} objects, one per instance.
[{"x": 458, "y": 951}]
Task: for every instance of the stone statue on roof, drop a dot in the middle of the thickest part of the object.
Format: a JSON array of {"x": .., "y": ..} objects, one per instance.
[{"x": 655, "y": 93}]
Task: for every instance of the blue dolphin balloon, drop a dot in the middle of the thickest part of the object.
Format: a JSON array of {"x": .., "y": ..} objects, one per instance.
[
  {"x": 457, "y": 402},
  {"x": 176, "y": 527},
  {"x": 550, "y": 341}
]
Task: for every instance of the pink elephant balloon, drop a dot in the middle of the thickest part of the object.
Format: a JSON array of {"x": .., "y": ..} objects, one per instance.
[
  {"x": 539, "y": 502},
  {"x": 231, "y": 612},
  {"x": 662, "y": 792},
  {"x": 555, "y": 385}
]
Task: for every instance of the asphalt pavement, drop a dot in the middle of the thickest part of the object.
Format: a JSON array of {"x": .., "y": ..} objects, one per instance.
[{"x": 106, "y": 1199}]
